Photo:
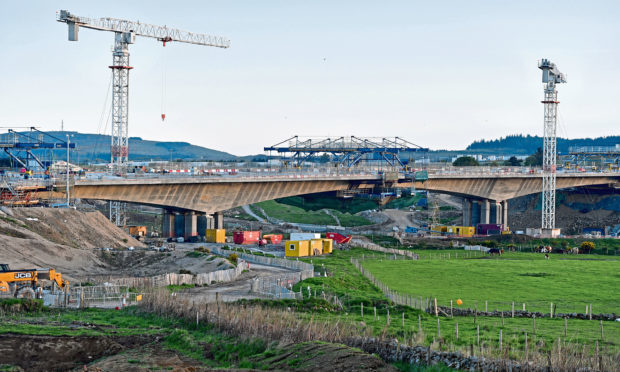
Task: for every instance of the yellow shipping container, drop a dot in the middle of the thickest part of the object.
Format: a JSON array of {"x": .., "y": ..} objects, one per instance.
[
  {"x": 215, "y": 235},
  {"x": 297, "y": 248},
  {"x": 316, "y": 247},
  {"x": 328, "y": 245}
]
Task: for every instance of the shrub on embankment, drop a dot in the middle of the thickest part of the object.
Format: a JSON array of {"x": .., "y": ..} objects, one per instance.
[{"x": 19, "y": 305}]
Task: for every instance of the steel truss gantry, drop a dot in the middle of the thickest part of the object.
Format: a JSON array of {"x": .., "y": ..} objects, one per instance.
[
  {"x": 551, "y": 76},
  {"x": 346, "y": 151}
]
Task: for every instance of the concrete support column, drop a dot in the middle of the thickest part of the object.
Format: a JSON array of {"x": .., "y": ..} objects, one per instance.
[
  {"x": 210, "y": 222},
  {"x": 485, "y": 211},
  {"x": 467, "y": 212},
  {"x": 475, "y": 213},
  {"x": 201, "y": 224},
  {"x": 505, "y": 213},
  {"x": 219, "y": 220},
  {"x": 191, "y": 225},
  {"x": 496, "y": 215},
  {"x": 167, "y": 225}
]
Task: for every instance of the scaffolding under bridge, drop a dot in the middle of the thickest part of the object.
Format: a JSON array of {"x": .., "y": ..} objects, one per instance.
[{"x": 346, "y": 151}]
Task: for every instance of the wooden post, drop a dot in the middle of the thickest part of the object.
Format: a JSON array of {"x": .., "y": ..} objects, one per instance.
[
  {"x": 362, "y": 309},
  {"x": 438, "y": 332},
  {"x": 197, "y": 311},
  {"x": 419, "y": 323},
  {"x": 525, "y": 345},
  {"x": 602, "y": 338},
  {"x": 586, "y": 310},
  {"x": 524, "y": 306},
  {"x": 403, "y": 319},
  {"x": 533, "y": 324},
  {"x": 596, "y": 353},
  {"x": 565, "y": 321},
  {"x": 388, "y": 316},
  {"x": 513, "y": 309},
  {"x": 436, "y": 313},
  {"x": 375, "y": 310},
  {"x": 500, "y": 340},
  {"x": 486, "y": 306},
  {"x": 451, "y": 312},
  {"x": 502, "y": 318},
  {"x": 590, "y": 311},
  {"x": 477, "y": 334},
  {"x": 551, "y": 310},
  {"x": 476, "y": 313},
  {"x": 457, "y": 330}
]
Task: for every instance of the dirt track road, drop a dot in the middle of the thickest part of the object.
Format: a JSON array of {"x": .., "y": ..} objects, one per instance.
[{"x": 235, "y": 290}]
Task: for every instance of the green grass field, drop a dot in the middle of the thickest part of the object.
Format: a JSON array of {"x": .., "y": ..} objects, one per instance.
[
  {"x": 582, "y": 280},
  {"x": 570, "y": 282}
]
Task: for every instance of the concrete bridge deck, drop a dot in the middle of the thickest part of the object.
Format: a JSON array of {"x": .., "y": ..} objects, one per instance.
[{"x": 209, "y": 194}]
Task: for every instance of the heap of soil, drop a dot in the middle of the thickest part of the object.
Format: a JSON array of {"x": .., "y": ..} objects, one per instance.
[
  {"x": 322, "y": 356},
  {"x": 62, "y": 239},
  {"x": 61, "y": 353}
]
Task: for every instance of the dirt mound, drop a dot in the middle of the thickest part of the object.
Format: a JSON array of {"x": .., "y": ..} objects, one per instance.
[
  {"x": 58, "y": 238},
  {"x": 45, "y": 353},
  {"x": 321, "y": 356},
  {"x": 74, "y": 228}
]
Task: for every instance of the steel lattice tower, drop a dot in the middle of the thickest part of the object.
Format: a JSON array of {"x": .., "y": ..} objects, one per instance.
[
  {"x": 551, "y": 77},
  {"x": 119, "y": 150}
]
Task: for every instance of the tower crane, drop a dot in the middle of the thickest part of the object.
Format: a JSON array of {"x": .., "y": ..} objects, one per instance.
[
  {"x": 125, "y": 33},
  {"x": 550, "y": 76}
]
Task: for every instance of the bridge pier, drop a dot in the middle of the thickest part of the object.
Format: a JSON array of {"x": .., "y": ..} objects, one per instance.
[
  {"x": 167, "y": 228},
  {"x": 505, "y": 213},
  {"x": 467, "y": 206},
  {"x": 191, "y": 225},
  {"x": 218, "y": 218},
  {"x": 485, "y": 211},
  {"x": 496, "y": 212},
  {"x": 475, "y": 213}
]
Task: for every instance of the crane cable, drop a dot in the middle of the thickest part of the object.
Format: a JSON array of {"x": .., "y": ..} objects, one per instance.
[{"x": 163, "y": 84}]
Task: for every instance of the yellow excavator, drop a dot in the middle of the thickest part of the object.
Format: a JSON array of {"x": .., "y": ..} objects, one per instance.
[{"x": 25, "y": 283}]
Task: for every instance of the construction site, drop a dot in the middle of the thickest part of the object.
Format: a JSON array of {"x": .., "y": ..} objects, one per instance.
[{"x": 301, "y": 258}]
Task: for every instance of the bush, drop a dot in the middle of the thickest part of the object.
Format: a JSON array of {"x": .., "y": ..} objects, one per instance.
[
  {"x": 233, "y": 258},
  {"x": 489, "y": 244},
  {"x": 586, "y": 247},
  {"x": 202, "y": 249}
]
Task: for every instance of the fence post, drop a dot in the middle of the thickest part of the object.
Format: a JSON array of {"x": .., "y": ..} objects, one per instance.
[
  {"x": 486, "y": 306},
  {"x": 513, "y": 309},
  {"x": 502, "y": 318},
  {"x": 565, "y": 321},
  {"x": 533, "y": 324},
  {"x": 477, "y": 334},
  {"x": 457, "y": 330},
  {"x": 526, "y": 346},
  {"x": 419, "y": 323},
  {"x": 436, "y": 313},
  {"x": 375, "y": 310},
  {"x": 524, "y": 306},
  {"x": 590, "y": 311},
  {"x": 403, "y": 317},
  {"x": 362, "y": 304},
  {"x": 451, "y": 312},
  {"x": 438, "y": 332},
  {"x": 500, "y": 340},
  {"x": 602, "y": 338},
  {"x": 551, "y": 310}
]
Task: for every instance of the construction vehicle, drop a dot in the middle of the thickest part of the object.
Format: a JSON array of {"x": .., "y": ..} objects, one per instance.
[{"x": 25, "y": 283}]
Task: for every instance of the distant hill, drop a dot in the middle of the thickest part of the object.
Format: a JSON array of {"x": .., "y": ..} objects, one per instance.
[
  {"x": 520, "y": 144},
  {"x": 96, "y": 147}
]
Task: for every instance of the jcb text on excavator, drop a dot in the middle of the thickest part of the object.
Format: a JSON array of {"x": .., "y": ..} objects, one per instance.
[{"x": 25, "y": 283}]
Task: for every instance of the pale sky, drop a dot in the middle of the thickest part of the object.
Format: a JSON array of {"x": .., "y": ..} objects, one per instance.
[{"x": 438, "y": 73}]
